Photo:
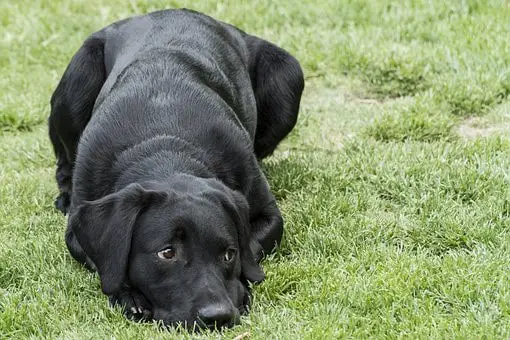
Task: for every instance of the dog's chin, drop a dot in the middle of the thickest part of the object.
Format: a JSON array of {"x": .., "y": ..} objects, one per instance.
[
  {"x": 194, "y": 325},
  {"x": 188, "y": 321}
]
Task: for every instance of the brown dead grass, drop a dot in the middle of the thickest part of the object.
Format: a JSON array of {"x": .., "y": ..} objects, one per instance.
[{"x": 476, "y": 127}]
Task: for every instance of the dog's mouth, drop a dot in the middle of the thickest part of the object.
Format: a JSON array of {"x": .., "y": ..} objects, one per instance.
[
  {"x": 220, "y": 324},
  {"x": 195, "y": 323},
  {"x": 198, "y": 320},
  {"x": 198, "y": 324}
]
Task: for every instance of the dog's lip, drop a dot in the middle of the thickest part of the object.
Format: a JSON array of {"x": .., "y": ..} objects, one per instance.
[{"x": 196, "y": 323}]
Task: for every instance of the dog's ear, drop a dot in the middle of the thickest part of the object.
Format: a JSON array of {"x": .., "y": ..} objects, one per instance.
[
  {"x": 104, "y": 228},
  {"x": 238, "y": 208}
]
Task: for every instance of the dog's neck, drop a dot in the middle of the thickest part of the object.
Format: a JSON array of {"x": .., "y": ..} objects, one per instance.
[
  {"x": 151, "y": 169},
  {"x": 158, "y": 158}
]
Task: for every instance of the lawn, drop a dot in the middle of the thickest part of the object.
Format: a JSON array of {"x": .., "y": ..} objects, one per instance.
[{"x": 394, "y": 185}]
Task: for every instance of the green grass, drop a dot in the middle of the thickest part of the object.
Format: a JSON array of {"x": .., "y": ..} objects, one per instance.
[{"x": 395, "y": 184}]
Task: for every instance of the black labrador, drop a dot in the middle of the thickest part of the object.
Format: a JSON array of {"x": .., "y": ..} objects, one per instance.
[{"x": 157, "y": 125}]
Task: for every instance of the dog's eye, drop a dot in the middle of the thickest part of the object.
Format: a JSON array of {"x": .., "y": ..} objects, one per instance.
[
  {"x": 167, "y": 254},
  {"x": 229, "y": 255}
]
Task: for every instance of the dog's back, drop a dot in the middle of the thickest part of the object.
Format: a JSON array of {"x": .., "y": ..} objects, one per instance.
[{"x": 175, "y": 80}]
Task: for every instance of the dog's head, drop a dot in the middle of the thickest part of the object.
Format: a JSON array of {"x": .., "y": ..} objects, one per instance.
[{"x": 184, "y": 246}]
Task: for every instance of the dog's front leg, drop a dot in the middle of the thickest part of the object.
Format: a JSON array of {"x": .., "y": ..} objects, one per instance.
[{"x": 266, "y": 231}]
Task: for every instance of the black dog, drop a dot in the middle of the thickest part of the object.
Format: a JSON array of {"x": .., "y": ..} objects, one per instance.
[{"x": 157, "y": 125}]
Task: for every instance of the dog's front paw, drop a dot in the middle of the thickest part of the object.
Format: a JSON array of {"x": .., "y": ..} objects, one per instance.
[
  {"x": 134, "y": 304},
  {"x": 256, "y": 250},
  {"x": 62, "y": 202}
]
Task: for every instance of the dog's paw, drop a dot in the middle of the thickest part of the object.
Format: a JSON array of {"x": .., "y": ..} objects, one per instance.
[
  {"x": 135, "y": 305},
  {"x": 62, "y": 202},
  {"x": 257, "y": 250}
]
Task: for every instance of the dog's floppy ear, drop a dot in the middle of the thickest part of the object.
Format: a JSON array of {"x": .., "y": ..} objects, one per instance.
[
  {"x": 104, "y": 228},
  {"x": 238, "y": 208}
]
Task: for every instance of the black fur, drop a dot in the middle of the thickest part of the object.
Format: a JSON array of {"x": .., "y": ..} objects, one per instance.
[{"x": 157, "y": 125}]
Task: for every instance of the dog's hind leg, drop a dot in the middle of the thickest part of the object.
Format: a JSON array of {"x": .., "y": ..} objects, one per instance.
[
  {"x": 71, "y": 108},
  {"x": 277, "y": 81}
]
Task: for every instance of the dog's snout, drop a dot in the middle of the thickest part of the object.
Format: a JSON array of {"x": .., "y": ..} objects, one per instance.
[{"x": 217, "y": 315}]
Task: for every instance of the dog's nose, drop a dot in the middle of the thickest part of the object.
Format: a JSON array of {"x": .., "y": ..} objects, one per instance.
[{"x": 216, "y": 315}]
